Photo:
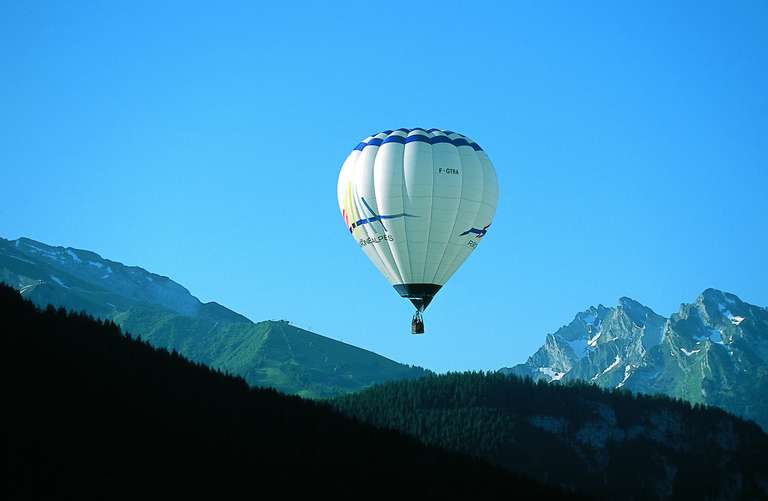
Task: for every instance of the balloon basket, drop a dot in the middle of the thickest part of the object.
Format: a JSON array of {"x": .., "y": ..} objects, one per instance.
[{"x": 417, "y": 324}]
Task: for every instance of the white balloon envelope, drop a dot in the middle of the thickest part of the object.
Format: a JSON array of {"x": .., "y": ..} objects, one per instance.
[{"x": 418, "y": 202}]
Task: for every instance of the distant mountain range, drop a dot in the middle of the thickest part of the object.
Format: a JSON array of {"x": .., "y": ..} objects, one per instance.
[
  {"x": 270, "y": 353},
  {"x": 557, "y": 429},
  {"x": 713, "y": 351}
]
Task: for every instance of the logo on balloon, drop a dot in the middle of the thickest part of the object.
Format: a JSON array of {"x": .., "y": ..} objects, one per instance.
[
  {"x": 354, "y": 216},
  {"x": 477, "y": 233}
]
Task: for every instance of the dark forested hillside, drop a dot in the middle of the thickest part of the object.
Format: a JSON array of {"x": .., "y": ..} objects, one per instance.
[
  {"x": 608, "y": 444},
  {"x": 91, "y": 413}
]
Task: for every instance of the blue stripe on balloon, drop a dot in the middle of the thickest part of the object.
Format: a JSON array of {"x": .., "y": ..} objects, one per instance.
[
  {"x": 418, "y": 138},
  {"x": 441, "y": 139},
  {"x": 421, "y": 138},
  {"x": 376, "y": 217},
  {"x": 395, "y": 139}
]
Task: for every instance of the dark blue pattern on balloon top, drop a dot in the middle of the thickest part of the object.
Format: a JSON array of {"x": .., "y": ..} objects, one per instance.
[{"x": 421, "y": 138}]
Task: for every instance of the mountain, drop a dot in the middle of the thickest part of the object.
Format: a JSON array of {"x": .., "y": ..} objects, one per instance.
[
  {"x": 93, "y": 414},
  {"x": 713, "y": 351},
  {"x": 610, "y": 444},
  {"x": 275, "y": 354}
]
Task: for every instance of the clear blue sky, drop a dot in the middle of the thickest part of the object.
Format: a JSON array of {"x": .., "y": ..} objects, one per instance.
[{"x": 203, "y": 142}]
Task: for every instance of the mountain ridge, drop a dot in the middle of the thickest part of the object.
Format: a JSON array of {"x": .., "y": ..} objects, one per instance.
[
  {"x": 712, "y": 351},
  {"x": 267, "y": 353},
  {"x": 91, "y": 268}
]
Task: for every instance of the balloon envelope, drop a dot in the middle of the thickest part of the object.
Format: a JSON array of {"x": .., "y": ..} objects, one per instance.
[{"x": 417, "y": 202}]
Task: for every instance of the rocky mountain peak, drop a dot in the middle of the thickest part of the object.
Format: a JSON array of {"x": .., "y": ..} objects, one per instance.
[
  {"x": 634, "y": 310},
  {"x": 718, "y": 308},
  {"x": 713, "y": 350},
  {"x": 628, "y": 302}
]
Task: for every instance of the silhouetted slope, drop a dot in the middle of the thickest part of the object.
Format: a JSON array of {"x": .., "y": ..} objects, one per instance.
[
  {"x": 95, "y": 414},
  {"x": 607, "y": 444}
]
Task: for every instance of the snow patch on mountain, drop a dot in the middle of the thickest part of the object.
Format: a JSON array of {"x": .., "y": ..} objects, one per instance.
[
  {"x": 735, "y": 319},
  {"x": 58, "y": 281},
  {"x": 45, "y": 252},
  {"x": 556, "y": 376},
  {"x": 616, "y": 362},
  {"x": 74, "y": 256},
  {"x": 627, "y": 373},
  {"x": 28, "y": 287},
  {"x": 689, "y": 353}
]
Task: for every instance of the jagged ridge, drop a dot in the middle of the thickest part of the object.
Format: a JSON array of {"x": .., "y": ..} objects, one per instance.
[{"x": 713, "y": 351}]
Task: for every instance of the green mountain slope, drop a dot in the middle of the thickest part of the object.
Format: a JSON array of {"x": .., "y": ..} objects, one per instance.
[
  {"x": 274, "y": 354},
  {"x": 713, "y": 351},
  {"x": 609, "y": 444},
  {"x": 92, "y": 414}
]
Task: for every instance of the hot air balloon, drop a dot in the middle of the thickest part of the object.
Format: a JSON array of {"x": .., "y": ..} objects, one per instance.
[{"x": 418, "y": 202}]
